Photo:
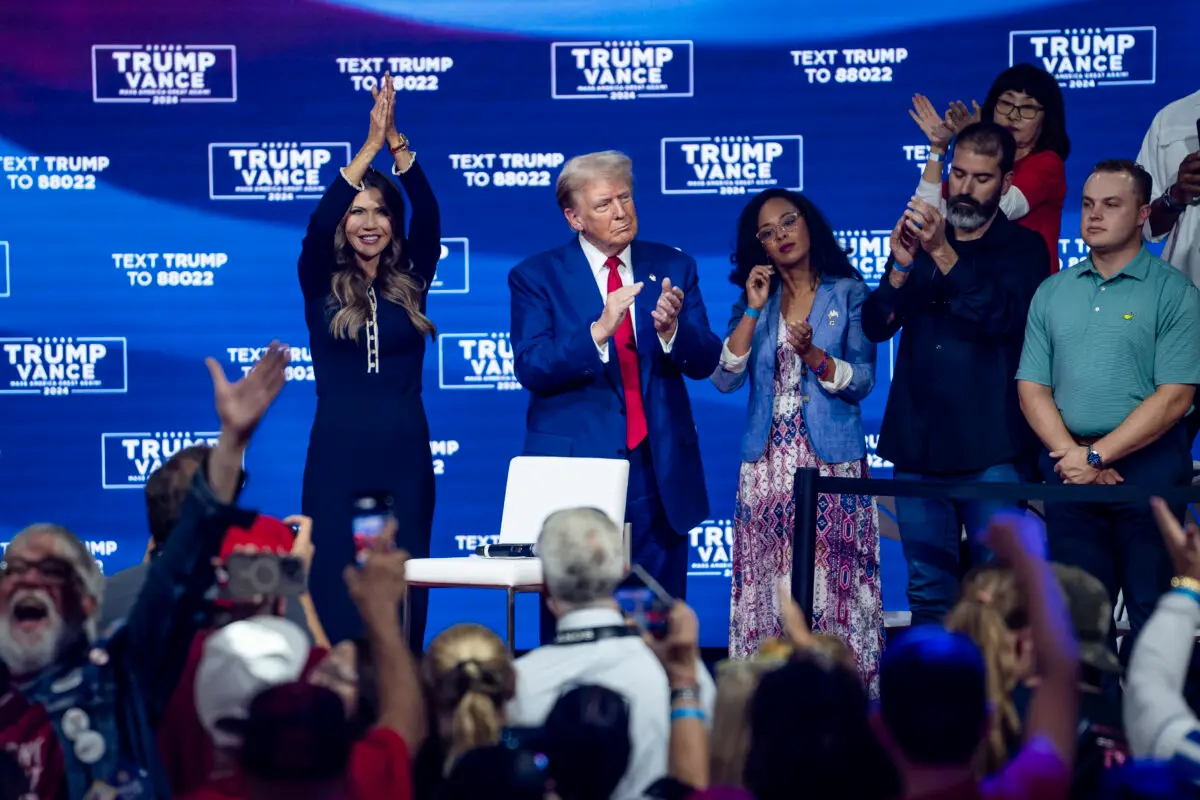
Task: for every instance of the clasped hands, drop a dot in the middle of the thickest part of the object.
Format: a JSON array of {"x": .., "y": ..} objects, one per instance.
[
  {"x": 665, "y": 313},
  {"x": 1073, "y": 467}
]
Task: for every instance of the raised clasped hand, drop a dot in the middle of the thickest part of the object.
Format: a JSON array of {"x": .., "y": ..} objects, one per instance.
[
  {"x": 926, "y": 224},
  {"x": 800, "y": 336},
  {"x": 383, "y": 113}
]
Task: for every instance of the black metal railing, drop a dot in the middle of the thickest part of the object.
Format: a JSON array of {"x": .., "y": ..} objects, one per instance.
[{"x": 810, "y": 483}]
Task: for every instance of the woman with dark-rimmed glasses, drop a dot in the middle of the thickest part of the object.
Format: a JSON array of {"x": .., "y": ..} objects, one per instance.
[{"x": 1026, "y": 101}]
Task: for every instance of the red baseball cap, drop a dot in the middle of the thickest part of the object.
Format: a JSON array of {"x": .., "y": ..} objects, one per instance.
[{"x": 267, "y": 534}]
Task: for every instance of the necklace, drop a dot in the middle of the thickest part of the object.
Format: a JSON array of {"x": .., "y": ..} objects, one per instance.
[{"x": 791, "y": 319}]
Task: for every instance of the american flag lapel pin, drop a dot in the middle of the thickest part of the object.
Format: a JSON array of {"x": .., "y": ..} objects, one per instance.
[{"x": 652, "y": 278}]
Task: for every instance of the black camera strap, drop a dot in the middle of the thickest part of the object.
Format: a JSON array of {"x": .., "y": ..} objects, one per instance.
[{"x": 587, "y": 635}]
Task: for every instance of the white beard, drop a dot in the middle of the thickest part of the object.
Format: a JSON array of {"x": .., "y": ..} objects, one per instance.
[{"x": 26, "y": 652}]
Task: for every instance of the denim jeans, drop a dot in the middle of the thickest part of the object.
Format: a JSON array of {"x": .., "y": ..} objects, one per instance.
[{"x": 931, "y": 532}]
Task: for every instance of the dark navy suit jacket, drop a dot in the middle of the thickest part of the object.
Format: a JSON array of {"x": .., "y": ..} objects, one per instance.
[{"x": 577, "y": 403}]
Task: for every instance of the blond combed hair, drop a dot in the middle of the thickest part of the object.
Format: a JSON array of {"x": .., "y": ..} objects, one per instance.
[
  {"x": 576, "y": 173},
  {"x": 348, "y": 299},
  {"x": 468, "y": 677},
  {"x": 990, "y": 605}
]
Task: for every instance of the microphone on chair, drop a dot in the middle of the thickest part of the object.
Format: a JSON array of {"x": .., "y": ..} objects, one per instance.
[{"x": 507, "y": 550}]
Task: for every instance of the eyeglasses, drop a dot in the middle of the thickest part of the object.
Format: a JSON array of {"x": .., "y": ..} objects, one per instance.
[
  {"x": 52, "y": 570},
  {"x": 786, "y": 222},
  {"x": 1006, "y": 109}
]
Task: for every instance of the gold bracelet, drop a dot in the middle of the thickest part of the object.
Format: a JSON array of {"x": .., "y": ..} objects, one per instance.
[{"x": 1184, "y": 582}]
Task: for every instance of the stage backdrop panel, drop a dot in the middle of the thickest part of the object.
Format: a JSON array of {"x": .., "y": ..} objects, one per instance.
[{"x": 157, "y": 168}]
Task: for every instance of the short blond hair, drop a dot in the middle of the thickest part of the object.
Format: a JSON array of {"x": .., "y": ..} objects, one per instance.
[{"x": 580, "y": 170}]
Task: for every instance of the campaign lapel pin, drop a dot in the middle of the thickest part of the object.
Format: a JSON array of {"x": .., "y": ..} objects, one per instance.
[{"x": 833, "y": 315}]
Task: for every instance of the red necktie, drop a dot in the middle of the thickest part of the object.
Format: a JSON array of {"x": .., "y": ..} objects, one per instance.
[{"x": 627, "y": 357}]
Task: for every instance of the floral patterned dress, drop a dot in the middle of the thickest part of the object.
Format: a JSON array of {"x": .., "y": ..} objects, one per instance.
[{"x": 847, "y": 599}]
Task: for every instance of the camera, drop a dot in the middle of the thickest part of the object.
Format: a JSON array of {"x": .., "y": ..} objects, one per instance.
[{"x": 252, "y": 575}]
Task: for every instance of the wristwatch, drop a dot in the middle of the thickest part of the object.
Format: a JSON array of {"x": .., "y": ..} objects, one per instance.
[
  {"x": 1095, "y": 461},
  {"x": 1171, "y": 204}
]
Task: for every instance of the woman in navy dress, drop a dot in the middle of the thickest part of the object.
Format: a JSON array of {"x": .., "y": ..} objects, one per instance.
[{"x": 365, "y": 286}]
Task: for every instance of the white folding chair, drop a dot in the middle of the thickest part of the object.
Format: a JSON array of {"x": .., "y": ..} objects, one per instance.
[{"x": 537, "y": 487}]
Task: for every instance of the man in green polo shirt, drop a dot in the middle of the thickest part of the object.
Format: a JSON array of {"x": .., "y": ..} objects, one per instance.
[{"x": 1108, "y": 371}]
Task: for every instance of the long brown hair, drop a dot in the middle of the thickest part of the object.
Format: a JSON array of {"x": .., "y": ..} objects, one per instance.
[
  {"x": 992, "y": 606},
  {"x": 348, "y": 300},
  {"x": 469, "y": 677}
]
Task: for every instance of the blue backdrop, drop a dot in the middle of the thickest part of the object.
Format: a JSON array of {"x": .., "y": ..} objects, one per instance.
[{"x": 158, "y": 164}]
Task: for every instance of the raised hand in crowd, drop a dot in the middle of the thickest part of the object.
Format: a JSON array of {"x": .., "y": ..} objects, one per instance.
[
  {"x": 666, "y": 313},
  {"x": 240, "y": 407},
  {"x": 795, "y": 626},
  {"x": 377, "y": 589},
  {"x": 304, "y": 550},
  {"x": 931, "y": 123},
  {"x": 1017, "y": 540},
  {"x": 1183, "y": 542},
  {"x": 679, "y": 653}
]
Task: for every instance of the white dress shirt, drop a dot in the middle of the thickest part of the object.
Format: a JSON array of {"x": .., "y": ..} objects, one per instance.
[
  {"x": 596, "y": 261},
  {"x": 625, "y": 665},
  {"x": 1172, "y": 136}
]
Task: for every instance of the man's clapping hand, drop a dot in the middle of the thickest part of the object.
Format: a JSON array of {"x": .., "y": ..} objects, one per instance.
[
  {"x": 615, "y": 308},
  {"x": 666, "y": 313}
]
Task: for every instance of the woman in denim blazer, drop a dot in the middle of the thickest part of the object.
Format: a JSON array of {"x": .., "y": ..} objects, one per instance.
[{"x": 796, "y": 334}]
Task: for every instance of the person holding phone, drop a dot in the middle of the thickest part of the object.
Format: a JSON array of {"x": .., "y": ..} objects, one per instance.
[
  {"x": 959, "y": 285},
  {"x": 365, "y": 285},
  {"x": 796, "y": 335}
]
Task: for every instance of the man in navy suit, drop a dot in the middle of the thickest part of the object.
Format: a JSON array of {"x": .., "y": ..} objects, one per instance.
[{"x": 605, "y": 366}]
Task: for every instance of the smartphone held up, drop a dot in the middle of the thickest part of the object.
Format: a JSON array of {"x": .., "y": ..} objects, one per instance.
[
  {"x": 368, "y": 520},
  {"x": 646, "y": 603}
]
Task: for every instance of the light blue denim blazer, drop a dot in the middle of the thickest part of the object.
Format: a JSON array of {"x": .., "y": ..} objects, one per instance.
[{"x": 834, "y": 421}]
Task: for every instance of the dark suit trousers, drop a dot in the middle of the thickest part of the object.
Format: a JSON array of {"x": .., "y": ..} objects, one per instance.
[
  {"x": 1119, "y": 543},
  {"x": 657, "y": 547}
]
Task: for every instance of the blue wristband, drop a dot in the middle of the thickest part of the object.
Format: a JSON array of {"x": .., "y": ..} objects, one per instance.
[
  {"x": 902, "y": 270},
  {"x": 753, "y": 313},
  {"x": 687, "y": 713},
  {"x": 1192, "y": 593}
]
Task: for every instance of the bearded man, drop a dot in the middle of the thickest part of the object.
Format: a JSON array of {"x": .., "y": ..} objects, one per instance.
[
  {"x": 960, "y": 287},
  {"x": 79, "y": 712}
]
